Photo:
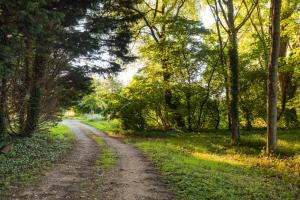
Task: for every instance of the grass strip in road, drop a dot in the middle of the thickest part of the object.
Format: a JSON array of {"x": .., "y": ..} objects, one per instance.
[
  {"x": 32, "y": 156},
  {"x": 105, "y": 161},
  {"x": 107, "y": 157}
]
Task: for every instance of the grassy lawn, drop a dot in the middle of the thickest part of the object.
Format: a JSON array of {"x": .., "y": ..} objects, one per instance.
[
  {"x": 109, "y": 127},
  {"x": 205, "y": 166},
  {"x": 31, "y": 156}
]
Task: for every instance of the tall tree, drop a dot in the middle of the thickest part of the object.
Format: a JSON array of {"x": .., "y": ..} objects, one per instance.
[
  {"x": 8, "y": 46},
  {"x": 39, "y": 42},
  {"x": 158, "y": 16},
  {"x": 230, "y": 14},
  {"x": 222, "y": 57},
  {"x": 272, "y": 78},
  {"x": 288, "y": 88}
]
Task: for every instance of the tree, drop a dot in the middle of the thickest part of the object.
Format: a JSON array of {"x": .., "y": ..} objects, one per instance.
[
  {"x": 272, "y": 78},
  {"x": 232, "y": 30},
  {"x": 40, "y": 44},
  {"x": 8, "y": 48},
  {"x": 287, "y": 64},
  {"x": 157, "y": 18},
  {"x": 222, "y": 57}
]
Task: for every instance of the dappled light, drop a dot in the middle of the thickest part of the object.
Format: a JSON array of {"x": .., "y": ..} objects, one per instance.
[{"x": 149, "y": 99}]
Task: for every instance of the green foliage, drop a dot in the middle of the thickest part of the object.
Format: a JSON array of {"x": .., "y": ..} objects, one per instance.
[
  {"x": 43, "y": 44},
  {"x": 96, "y": 101},
  {"x": 103, "y": 125},
  {"x": 31, "y": 156}
]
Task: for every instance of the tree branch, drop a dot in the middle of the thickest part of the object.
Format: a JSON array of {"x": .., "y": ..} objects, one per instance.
[
  {"x": 223, "y": 12},
  {"x": 178, "y": 9},
  {"x": 215, "y": 13},
  {"x": 249, "y": 13},
  {"x": 155, "y": 11},
  {"x": 238, "y": 11},
  {"x": 148, "y": 24}
]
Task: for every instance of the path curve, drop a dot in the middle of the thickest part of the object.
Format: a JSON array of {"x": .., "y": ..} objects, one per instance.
[
  {"x": 64, "y": 181},
  {"x": 132, "y": 178}
]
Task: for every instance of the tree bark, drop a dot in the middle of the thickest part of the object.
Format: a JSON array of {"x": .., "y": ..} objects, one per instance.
[
  {"x": 227, "y": 92},
  {"x": 287, "y": 88},
  {"x": 272, "y": 77},
  {"x": 234, "y": 72},
  {"x": 225, "y": 69},
  {"x": 188, "y": 106},
  {"x": 3, "y": 98},
  {"x": 215, "y": 11},
  {"x": 28, "y": 65},
  {"x": 33, "y": 108}
]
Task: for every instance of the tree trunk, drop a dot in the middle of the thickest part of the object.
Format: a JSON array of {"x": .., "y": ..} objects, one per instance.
[
  {"x": 3, "y": 98},
  {"x": 234, "y": 75},
  {"x": 225, "y": 69},
  {"x": 228, "y": 103},
  {"x": 218, "y": 118},
  {"x": 33, "y": 108},
  {"x": 171, "y": 103},
  {"x": 287, "y": 88},
  {"x": 248, "y": 117},
  {"x": 285, "y": 78},
  {"x": 272, "y": 78},
  {"x": 188, "y": 106},
  {"x": 28, "y": 64}
]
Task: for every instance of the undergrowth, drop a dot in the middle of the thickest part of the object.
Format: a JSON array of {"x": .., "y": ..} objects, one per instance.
[{"x": 31, "y": 156}]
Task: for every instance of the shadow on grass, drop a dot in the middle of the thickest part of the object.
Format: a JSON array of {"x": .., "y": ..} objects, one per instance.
[
  {"x": 203, "y": 177},
  {"x": 204, "y": 165}
]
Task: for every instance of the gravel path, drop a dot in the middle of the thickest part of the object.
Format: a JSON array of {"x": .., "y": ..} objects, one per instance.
[
  {"x": 64, "y": 181},
  {"x": 132, "y": 178}
]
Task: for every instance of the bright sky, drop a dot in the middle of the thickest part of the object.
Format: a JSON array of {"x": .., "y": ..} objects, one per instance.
[{"x": 126, "y": 75}]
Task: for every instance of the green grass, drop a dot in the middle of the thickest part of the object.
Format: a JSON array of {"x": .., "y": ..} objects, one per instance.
[
  {"x": 205, "y": 166},
  {"x": 110, "y": 127},
  {"x": 31, "y": 156},
  {"x": 107, "y": 157}
]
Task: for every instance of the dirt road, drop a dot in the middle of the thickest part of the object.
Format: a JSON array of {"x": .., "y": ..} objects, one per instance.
[{"x": 132, "y": 178}]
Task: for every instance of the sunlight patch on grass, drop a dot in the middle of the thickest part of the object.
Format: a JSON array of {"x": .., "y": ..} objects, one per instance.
[
  {"x": 214, "y": 157},
  {"x": 206, "y": 166},
  {"x": 61, "y": 132},
  {"x": 204, "y": 176},
  {"x": 110, "y": 127}
]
